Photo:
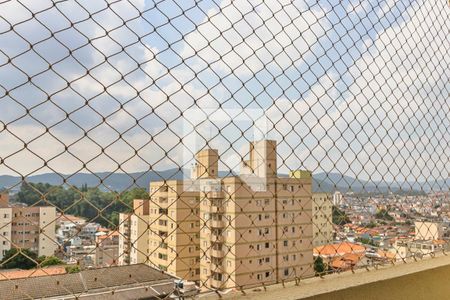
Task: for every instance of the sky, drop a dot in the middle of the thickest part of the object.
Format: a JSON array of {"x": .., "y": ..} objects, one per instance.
[{"x": 356, "y": 87}]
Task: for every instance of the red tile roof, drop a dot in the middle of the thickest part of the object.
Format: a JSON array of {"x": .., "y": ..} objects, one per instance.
[
  {"x": 339, "y": 249},
  {"x": 16, "y": 274}
]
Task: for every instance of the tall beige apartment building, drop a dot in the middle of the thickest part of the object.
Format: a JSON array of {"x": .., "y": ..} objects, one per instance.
[
  {"x": 27, "y": 227},
  {"x": 322, "y": 205},
  {"x": 174, "y": 229},
  {"x": 134, "y": 234},
  {"x": 164, "y": 231},
  {"x": 256, "y": 227},
  {"x": 235, "y": 231}
]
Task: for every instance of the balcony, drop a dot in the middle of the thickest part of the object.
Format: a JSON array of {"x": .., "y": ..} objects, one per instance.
[
  {"x": 218, "y": 238},
  {"x": 217, "y": 268},
  {"x": 214, "y": 195},
  {"x": 217, "y": 284},
  {"x": 216, "y": 209},
  {"x": 217, "y": 224},
  {"x": 217, "y": 253}
]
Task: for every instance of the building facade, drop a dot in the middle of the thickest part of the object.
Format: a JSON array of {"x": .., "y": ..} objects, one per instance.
[
  {"x": 337, "y": 198},
  {"x": 227, "y": 232},
  {"x": 134, "y": 233},
  {"x": 322, "y": 219},
  {"x": 428, "y": 230},
  {"x": 27, "y": 228}
]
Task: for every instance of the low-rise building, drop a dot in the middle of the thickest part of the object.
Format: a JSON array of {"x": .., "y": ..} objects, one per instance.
[
  {"x": 27, "y": 227},
  {"x": 409, "y": 248},
  {"x": 428, "y": 230},
  {"x": 134, "y": 232}
]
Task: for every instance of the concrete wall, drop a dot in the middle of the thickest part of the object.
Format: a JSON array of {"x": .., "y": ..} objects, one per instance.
[
  {"x": 422, "y": 280},
  {"x": 429, "y": 284}
]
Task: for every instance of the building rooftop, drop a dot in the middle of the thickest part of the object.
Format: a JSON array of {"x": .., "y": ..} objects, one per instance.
[
  {"x": 338, "y": 249},
  {"x": 89, "y": 282},
  {"x": 17, "y": 273}
]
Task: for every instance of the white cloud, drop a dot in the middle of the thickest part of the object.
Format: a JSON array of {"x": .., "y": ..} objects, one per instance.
[
  {"x": 400, "y": 82},
  {"x": 244, "y": 37}
]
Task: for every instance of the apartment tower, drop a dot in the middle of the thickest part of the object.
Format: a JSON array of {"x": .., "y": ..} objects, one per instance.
[
  {"x": 322, "y": 209},
  {"x": 227, "y": 232},
  {"x": 256, "y": 228}
]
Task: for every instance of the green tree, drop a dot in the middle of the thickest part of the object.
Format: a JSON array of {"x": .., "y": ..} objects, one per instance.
[
  {"x": 383, "y": 214},
  {"x": 339, "y": 217},
  {"x": 372, "y": 224},
  {"x": 45, "y": 261},
  {"x": 128, "y": 196},
  {"x": 19, "y": 259},
  {"x": 72, "y": 269},
  {"x": 319, "y": 266},
  {"x": 91, "y": 203},
  {"x": 365, "y": 241}
]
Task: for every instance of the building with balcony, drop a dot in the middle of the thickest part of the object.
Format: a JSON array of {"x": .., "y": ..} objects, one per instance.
[
  {"x": 225, "y": 232},
  {"x": 27, "y": 228},
  {"x": 174, "y": 229},
  {"x": 256, "y": 227},
  {"x": 134, "y": 234}
]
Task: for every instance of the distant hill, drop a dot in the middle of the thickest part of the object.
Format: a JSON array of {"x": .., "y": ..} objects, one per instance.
[{"x": 323, "y": 182}]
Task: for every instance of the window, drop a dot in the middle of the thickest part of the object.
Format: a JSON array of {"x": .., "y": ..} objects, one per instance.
[
  {"x": 286, "y": 272},
  {"x": 285, "y": 243},
  {"x": 267, "y": 245}
]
